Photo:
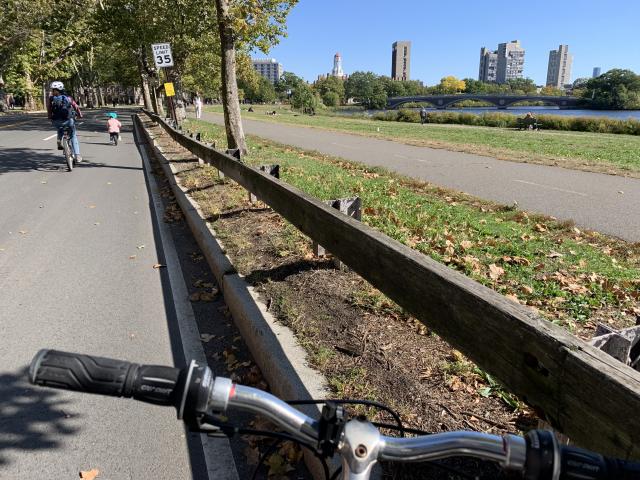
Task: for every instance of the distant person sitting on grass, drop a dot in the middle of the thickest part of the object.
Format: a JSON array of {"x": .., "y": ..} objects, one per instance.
[{"x": 530, "y": 120}]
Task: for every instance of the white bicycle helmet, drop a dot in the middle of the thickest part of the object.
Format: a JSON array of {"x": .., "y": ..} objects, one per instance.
[{"x": 57, "y": 86}]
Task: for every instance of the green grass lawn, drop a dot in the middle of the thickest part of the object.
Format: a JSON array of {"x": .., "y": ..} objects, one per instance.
[
  {"x": 599, "y": 152},
  {"x": 574, "y": 278}
]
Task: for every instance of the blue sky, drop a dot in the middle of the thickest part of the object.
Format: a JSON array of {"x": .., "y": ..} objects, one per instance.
[{"x": 446, "y": 36}]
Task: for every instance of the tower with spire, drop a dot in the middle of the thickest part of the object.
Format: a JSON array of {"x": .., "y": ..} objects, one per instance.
[{"x": 337, "y": 66}]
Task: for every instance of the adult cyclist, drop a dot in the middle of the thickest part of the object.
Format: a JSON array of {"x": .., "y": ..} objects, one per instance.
[{"x": 62, "y": 111}]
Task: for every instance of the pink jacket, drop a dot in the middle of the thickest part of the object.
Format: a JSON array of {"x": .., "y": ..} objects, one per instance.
[{"x": 114, "y": 125}]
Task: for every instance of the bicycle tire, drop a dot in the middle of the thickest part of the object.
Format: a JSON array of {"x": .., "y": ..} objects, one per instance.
[{"x": 68, "y": 154}]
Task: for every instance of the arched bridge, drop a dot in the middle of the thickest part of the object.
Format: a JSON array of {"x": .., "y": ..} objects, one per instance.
[{"x": 500, "y": 101}]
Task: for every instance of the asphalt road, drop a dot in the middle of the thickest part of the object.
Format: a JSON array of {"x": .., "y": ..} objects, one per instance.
[
  {"x": 605, "y": 203},
  {"x": 77, "y": 252}
]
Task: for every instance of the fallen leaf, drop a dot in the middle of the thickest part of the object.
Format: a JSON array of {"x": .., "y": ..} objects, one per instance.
[
  {"x": 553, "y": 254},
  {"x": 159, "y": 265},
  {"x": 513, "y": 297},
  {"x": 208, "y": 296},
  {"x": 195, "y": 297},
  {"x": 526, "y": 289},
  {"x": 252, "y": 455},
  {"x": 132, "y": 257},
  {"x": 278, "y": 465},
  {"x": 140, "y": 247},
  {"x": 466, "y": 244},
  {"x": 23, "y": 232},
  {"x": 206, "y": 337},
  {"x": 495, "y": 271},
  {"x": 540, "y": 228},
  {"x": 89, "y": 474}
]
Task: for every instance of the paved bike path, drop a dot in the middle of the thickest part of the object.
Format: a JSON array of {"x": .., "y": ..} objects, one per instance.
[
  {"x": 77, "y": 252},
  {"x": 606, "y": 203}
]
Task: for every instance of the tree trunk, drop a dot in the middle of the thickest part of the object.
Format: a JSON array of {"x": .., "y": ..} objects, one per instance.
[
  {"x": 230, "y": 101},
  {"x": 146, "y": 94},
  {"x": 100, "y": 99},
  {"x": 144, "y": 82},
  {"x": 94, "y": 97},
  {"x": 29, "y": 101}
]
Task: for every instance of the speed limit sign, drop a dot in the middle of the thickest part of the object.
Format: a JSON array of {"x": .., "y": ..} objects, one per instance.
[{"x": 162, "y": 55}]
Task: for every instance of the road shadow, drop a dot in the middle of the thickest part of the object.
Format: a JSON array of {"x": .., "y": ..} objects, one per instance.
[
  {"x": 31, "y": 418},
  {"x": 13, "y": 160}
]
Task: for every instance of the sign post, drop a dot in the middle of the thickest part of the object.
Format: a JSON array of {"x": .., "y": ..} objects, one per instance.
[{"x": 163, "y": 58}]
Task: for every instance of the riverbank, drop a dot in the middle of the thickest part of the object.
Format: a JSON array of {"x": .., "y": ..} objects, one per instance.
[
  {"x": 595, "y": 152},
  {"x": 506, "y": 120}
]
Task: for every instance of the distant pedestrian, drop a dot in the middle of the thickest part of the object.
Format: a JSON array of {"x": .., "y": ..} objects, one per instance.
[
  {"x": 423, "y": 116},
  {"x": 197, "y": 101}
]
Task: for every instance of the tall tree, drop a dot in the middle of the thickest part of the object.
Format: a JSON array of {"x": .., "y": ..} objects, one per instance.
[
  {"x": 331, "y": 90},
  {"x": 367, "y": 88},
  {"x": 451, "y": 84},
  {"x": 248, "y": 24}
]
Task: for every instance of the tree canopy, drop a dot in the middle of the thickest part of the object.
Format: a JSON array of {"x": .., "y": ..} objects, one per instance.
[{"x": 615, "y": 89}]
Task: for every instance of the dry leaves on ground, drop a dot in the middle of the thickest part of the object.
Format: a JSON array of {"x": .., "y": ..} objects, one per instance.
[
  {"x": 89, "y": 474},
  {"x": 495, "y": 272}
]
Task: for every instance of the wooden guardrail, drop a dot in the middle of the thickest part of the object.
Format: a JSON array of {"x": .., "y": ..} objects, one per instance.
[{"x": 580, "y": 390}]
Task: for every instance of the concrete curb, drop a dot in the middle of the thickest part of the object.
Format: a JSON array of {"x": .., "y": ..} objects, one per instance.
[{"x": 274, "y": 347}]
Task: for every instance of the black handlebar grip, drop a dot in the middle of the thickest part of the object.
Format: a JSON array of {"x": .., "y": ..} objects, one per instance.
[
  {"x": 105, "y": 376},
  {"x": 546, "y": 460},
  {"x": 583, "y": 464},
  {"x": 623, "y": 470}
]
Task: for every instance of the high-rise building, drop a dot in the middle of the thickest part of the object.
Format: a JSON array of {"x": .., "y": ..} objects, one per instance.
[
  {"x": 401, "y": 60},
  {"x": 597, "y": 71},
  {"x": 269, "y": 68},
  {"x": 510, "y": 61},
  {"x": 559, "y": 69},
  {"x": 488, "y": 65}
]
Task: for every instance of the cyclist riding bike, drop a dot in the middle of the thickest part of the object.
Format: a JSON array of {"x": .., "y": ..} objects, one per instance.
[{"x": 62, "y": 110}]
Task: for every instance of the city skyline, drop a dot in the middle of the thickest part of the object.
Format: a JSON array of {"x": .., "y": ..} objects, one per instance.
[{"x": 364, "y": 45}]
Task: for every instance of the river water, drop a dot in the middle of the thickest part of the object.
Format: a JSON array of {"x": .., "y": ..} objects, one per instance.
[{"x": 522, "y": 111}]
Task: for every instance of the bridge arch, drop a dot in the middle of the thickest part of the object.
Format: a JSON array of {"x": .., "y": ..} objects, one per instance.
[{"x": 500, "y": 101}]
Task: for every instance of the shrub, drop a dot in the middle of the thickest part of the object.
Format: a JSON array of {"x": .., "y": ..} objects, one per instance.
[
  {"x": 504, "y": 120},
  {"x": 406, "y": 115}
]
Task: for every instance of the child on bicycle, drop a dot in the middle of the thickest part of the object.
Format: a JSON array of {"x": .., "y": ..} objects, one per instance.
[{"x": 114, "y": 125}]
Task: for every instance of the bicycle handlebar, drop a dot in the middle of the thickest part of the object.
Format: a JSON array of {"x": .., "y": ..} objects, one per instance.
[
  {"x": 105, "y": 376},
  {"x": 194, "y": 392}
]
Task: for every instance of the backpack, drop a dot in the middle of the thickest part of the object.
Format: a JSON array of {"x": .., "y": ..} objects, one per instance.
[{"x": 61, "y": 108}]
